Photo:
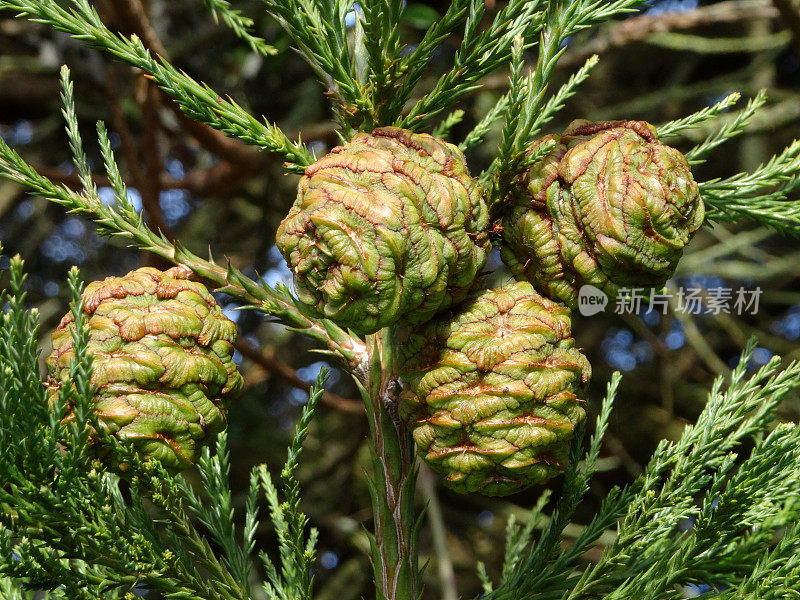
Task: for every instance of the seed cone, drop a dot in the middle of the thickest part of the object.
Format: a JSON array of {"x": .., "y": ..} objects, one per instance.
[
  {"x": 388, "y": 228},
  {"x": 608, "y": 206},
  {"x": 493, "y": 393},
  {"x": 162, "y": 365}
]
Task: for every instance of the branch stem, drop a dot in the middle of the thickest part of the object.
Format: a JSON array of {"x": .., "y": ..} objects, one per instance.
[{"x": 393, "y": 480}]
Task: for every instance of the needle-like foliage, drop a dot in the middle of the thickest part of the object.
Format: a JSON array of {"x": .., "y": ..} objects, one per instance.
[
  {"x": 705, "y": 510},
  {"x": 240, "y": 25},
  {"x": 72, "y": 527}
]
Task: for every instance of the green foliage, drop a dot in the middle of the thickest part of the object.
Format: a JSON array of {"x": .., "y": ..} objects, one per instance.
[
  {"x": 297, "y": 549},
  {"x": 77, "y": 529},
  {"x": 554, "y": 104},
  {"x": 481, "y": 53},
  {"x": 728, "y": 130},
  {"x": 121, "y": 219},
  {"x": 761, "y": 196},
  {"x": 239, "y": 24},
  {"x": 709, "y": 112},
  {"x": 525, "y": 114},
  {"x": 371, "y": 81},
  {"x": 196, "y": 99},
  {"x": 74, "y": 527},
  {"x": 706, "y": 509},
  {"x": 319, "y": 32}
]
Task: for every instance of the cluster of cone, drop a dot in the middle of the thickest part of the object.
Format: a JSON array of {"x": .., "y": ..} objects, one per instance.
[{"x": 391, "y": 230}]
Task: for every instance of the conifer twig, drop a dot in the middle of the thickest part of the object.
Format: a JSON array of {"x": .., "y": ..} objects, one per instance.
[
  {"x": 197, "y": 100},
  {"x": 393, "y": 477},
  {"x": 122, "y": 220},
  {"x": 242, "y": 26}
]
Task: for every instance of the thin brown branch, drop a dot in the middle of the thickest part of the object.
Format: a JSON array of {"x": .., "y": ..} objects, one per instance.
[
  {"x": 27, "y": 89},
  {"x": 133, "y": 14},
  {"x": 217, "y": 142},
  {"x": 790, "y": 17},
  {"x": 154, "y": 164},
  {"x": 128, "y": 144},
  {"x": 71, "y": 179},
  {"x": 146, "y": 174},
  {"x": 638, "y": 29},
  {"x": 134, "y": 19},
  {"x": 289, "y": 375},
  {"x": 238, "y": 159},
  {"x": 222, "y": 178},
  {"x": 202, "y": 182}
]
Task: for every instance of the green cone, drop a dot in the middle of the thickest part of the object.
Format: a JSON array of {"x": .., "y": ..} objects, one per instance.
[
  {"x": 162, "y": 361},
  {"x": 608, "y": 206},
  {"x": 493, "y": 393},
  {"x": 388, "y": 228}
]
